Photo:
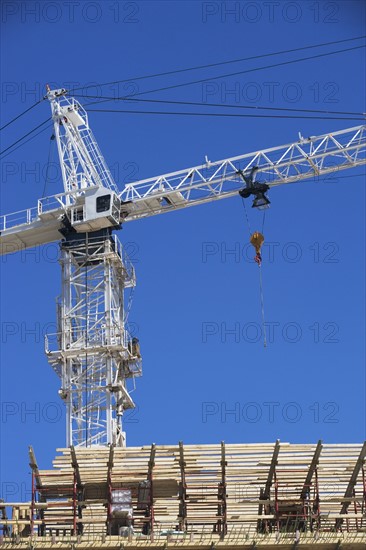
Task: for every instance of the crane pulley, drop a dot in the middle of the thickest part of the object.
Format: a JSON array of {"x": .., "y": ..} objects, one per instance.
[{"x": 255, "y": 188}]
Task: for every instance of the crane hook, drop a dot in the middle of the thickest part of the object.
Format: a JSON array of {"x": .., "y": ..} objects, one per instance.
[{"x": 257, "y": 239}]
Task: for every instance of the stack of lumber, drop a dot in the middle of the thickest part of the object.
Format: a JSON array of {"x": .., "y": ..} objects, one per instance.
[
  {"x": 213, "y": 490},
  {"x": 243, "y": 469}
]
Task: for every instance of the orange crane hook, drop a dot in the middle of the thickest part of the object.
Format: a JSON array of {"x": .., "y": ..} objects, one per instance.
[{"x": 257, "y": 240}]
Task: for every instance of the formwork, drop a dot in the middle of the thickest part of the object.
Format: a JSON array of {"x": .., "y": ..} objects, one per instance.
[{"x": 248, "y": 495}]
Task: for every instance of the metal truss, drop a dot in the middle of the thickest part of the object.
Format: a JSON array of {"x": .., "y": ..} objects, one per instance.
[
  {"x": 306, "y": 159},
  {"x": 82, "y": 163},
  {"x": 92, "y": 351}
]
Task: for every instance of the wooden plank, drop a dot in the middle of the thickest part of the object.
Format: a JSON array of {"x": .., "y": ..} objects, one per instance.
[
  {"x": 34, "y": 467},
  {"x": 351, "y": 485},
  {"x": 247, "y": 468}
]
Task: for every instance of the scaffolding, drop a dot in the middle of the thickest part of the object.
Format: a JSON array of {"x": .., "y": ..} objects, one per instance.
[{"x": 222, "y": 493}]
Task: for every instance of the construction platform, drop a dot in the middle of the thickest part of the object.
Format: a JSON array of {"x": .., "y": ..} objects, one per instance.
[{"x": 229, "y": 495}]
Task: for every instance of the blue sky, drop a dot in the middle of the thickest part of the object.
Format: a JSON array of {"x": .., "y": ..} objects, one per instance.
[{"x": 309, "y": 382}]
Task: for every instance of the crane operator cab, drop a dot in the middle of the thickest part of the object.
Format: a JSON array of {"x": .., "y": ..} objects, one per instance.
[{"x": 95, "y": 208}]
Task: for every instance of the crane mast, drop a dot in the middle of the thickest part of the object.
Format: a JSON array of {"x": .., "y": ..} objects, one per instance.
[{"x": 92, "y": 352}]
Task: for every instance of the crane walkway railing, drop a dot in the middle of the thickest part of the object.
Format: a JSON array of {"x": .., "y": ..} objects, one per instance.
[{"x": 53, "y": 203}]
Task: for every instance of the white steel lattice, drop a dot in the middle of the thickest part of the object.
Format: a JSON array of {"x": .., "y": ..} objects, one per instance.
[
  {"x": 92, "y": 351},
  {"x": 307, "y": 159},
  {"x": 82, "y": 163}
]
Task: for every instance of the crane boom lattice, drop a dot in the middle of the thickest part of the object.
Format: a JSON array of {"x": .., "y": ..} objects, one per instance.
[{"x": 307, "y": 159}]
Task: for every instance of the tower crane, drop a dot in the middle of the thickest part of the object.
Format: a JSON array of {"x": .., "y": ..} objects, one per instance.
[{"x": 92, "y": 351}]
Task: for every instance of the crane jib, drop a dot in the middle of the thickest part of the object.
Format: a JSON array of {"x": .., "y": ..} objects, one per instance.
[{"x": 302, "y": 160}]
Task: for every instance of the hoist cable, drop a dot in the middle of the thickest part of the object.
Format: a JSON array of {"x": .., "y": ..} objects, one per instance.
[
  {"x": 254, "y": 69},
  {"x": 263, "y": 220},
  {"x": 203, "y": 80},
  {"x": 210, "y": 65},
  {"x": 21, "y": 114},
  {"x": 234, "y": 115},
  {"x": 246, "y": 215},
  {"x": 262, "y": 307},
  {"x": 225, "y": 105},
  {"x": 260, "y": 275},
  {"x": 24, "y": 136},
  {"x": 26, "y": 141}
]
